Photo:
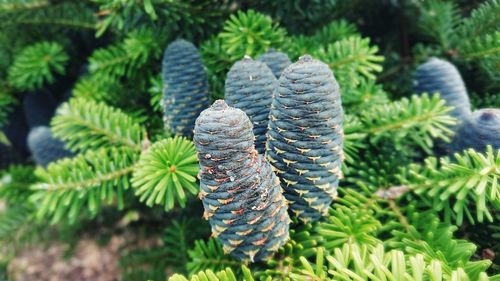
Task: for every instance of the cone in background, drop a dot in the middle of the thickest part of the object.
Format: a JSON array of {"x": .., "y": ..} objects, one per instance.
[
  {"x": 482, "y": 128},
  {"x": 44, "y": 147},
  {"x": 39, "y": 107},
  {"x": 249, "y": 87},
  {"x": 305, "y": 137},
  {"x": 185, "y": 87},
  {"x": 437, "y": 75},
  {"x": 276, "y": 61},
  {"x": 16, "y": 130},
  {"x": 241, "y": 195}
]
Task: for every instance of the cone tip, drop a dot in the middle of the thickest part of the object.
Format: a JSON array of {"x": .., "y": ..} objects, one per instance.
[
  {"x": 306, "y": 58},
  {"x": 219, "y": 105},
  {"x": 489, "y": 114}
]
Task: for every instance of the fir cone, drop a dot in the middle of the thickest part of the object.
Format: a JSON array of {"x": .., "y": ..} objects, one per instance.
[
  {"x": 44, "y": 147},
  {"x": 185, "y": 87},
  {"x": 276, "y": 61},
  {"x": 16, "y": 130},
  {"x": 438, "y": 75},
  {"x": 39, "y": 107},
  {"x": 241, "y": 195},
  {"x": 482, "y": 128},
  {"x": 305, "y": 137},
  {"x": 249, "y": 87}
]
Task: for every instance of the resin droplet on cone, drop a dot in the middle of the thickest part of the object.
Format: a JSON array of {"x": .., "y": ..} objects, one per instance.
[
  {"x": 482, "y": 128},
  {"x": 241, "y": 196},
  {"x": 249, "y": 87},
  {"x": 305, "y": 137},
  {"x": 276, "y": 61},
  {"x": 185, "y": 87}
]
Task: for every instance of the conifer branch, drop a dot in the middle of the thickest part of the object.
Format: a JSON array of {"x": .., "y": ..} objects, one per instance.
[
  {"x": 15, "y": 5},
  {"x": 418, "y": 120},
  {"x": 70, "y": 184},
  {"x": 351, "y": 59},
  {"x": 85, "y": 124},
  {"x": 453, "y": 186},
  {"x": 36, "y": 65},
  {"x": 166, "y": 172}
]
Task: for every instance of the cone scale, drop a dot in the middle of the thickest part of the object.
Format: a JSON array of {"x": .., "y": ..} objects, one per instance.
[
  {"x": 241, "y": 196},
  {"x": 305, "y": 137}
]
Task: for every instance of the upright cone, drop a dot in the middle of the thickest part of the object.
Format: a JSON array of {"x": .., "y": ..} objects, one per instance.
[
  {"x": 249, "y": 87},
  {"x": 482, "y": 128},
  {"x": 277, "y": 61},
  {"x": 241, "y": 195},
  {"x": 437, "y": 75},
  {"x": 185, "y": 87},
  {"x": 305, "y": 137}
]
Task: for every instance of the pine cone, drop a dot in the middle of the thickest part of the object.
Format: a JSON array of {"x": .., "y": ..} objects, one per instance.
[
  {"x": 185, "y": 87},
  {"x": 305, "y": 137},
  {"x": 249, "y": 87},
  {"x": 39, "y": 108},
  {"x": 241, "y": 195},
  {"x": 438, "y": 75},
  {"x": 44, "y": 147},
  {"x": 276, "y": 61},
  {"x": 479, "y": 130}
]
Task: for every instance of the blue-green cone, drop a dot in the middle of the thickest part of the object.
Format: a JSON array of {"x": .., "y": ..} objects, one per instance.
[
  {"x": 437, "y": 75},
  {"x": 241, "y": 195},
  {"x": 305, "y": 137},
  {"x": 44, "y": 147},
  {"x": 482, "y": 128},
  {"x": 39, "y": 108},
  {"x": 249, "y": 87},
  {"x": 276, "y": 61},
  {"x": 185, "y": 87}
]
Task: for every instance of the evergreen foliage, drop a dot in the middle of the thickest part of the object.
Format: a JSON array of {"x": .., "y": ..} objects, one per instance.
[
  {"x": 83, "y": 182},
  {"x": 250, "y": 34},
  {"x": 36, "y": 65},
  {"x": 121, "y": 90},
  {"x": 166, "y": 171},
  {"x": 85, "y": 124},
  {"x": 427, "y": 116},
  {"x": 453, "y": 186}
]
